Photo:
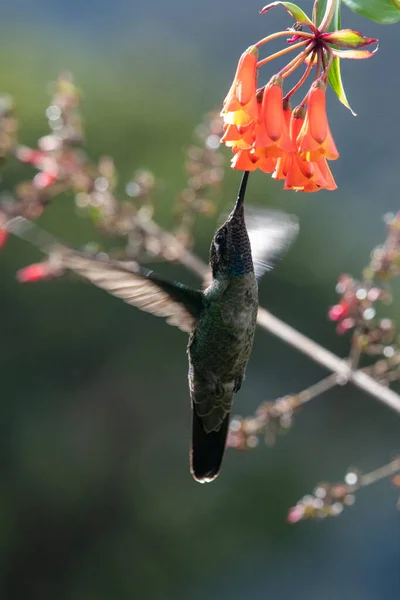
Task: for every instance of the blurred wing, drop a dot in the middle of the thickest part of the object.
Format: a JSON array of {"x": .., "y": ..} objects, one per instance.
[
  {"x": 271, "y": 233},
  {"x": 179, "y": 304},
  {"x": 139, "y": 287}
]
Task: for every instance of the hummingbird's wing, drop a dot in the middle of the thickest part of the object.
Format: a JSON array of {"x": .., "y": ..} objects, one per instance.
[
  {"x": 179, "y": 304},
  {"x": 271, "y": 233}
]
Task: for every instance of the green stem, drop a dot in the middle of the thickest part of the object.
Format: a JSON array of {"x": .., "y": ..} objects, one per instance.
[{"x": 325, "y": 72}]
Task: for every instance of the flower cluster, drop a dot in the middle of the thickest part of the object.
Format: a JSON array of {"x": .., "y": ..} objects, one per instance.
[
  {"x": 327, "y": 500},
  {"x": 58, "y": 160},
  {"x": 385, "y": 259},
  {"x": 8, "y": 126},
  {"x": 205, "y": 169},
  {"x": 356, "y": 308},
  {"x": 259, "y": 124},
  {"x": 271, "y": 419},
  {"x": 62, "y": 166},
  {"x": 56, "y": 157},
  {"x": 387, "y": 369}
]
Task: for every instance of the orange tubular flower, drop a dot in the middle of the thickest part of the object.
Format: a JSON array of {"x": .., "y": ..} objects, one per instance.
[
  {"x": 296, "y": 172},
  {"x": 315, "y": 139},
  {"x": 326, "y": 174},
  {"x": 267, "y": 164},
  {"x": 258, "y": 123},
  {"x": 240, "y": 105},
  {"x": 272, "y": 133},
  {"x": 244, "y": 160},
  {"x": 238, "y": 137},
  {"x": 302, "y": 175}
]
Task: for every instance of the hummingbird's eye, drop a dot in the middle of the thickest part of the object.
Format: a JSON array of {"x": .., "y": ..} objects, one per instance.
[{"x": 219, "y": 238}]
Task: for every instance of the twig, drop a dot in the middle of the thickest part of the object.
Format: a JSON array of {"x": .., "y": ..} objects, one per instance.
[
  {"x": 317, "y": 389},
  {"x": 382, "y": 473},
  {"x": 355, "y": 351},
  {"x": 192, "y": 262},
  {"x": 271, "y": 417},
  {"x": 329, "y": 360},
  {"x": 329, "y": 500}
]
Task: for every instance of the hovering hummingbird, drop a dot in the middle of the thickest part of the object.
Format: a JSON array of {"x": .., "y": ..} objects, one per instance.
[{"x": 220, "y": 321}]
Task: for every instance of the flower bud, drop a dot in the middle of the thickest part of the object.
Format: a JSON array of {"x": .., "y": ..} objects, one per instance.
[
  {"x": 36, "y": 272},
  {"x": 44, "y": 180},
  {"x": 3, "y": 237},
  {"x": 338, "y": 311}
]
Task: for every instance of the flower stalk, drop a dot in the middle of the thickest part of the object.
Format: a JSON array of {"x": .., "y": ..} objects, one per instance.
[{"x": 263, "y": 62}]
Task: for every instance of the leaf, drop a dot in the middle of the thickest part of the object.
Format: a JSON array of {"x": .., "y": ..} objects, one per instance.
[
  {"x": 354, "y": 54},
  {"x": 381, "y": 11},
  {"x": 347, "y": 38},
  {"x": 335, "y": 81},
  {"x": 293, "y": 10},
  {"x": 334, "y": 75}
]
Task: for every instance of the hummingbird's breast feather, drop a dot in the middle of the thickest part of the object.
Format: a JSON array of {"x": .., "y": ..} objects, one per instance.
[
  {"x": 219, "y": 349},
  {"x": 223, "y": 336}
]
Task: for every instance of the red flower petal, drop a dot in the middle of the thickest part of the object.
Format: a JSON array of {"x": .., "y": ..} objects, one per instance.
[
  {"x": 35, "y": 272},
  {"x": 3, "y": 237},
  {"x": 44, "y": 180},
  {"x": 241, "y": 97},
  {"x": 244, "y": 161}
]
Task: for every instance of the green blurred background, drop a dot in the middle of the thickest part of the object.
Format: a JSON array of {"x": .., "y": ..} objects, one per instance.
[{"x": 96, "y": 499}]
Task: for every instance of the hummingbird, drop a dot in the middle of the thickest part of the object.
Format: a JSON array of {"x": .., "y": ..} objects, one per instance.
[{"x": 220, "y": 320}]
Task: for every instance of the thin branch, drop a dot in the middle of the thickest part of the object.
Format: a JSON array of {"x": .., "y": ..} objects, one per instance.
[
  {"x": 327, "y": 359},
  {"x": 355, "y": 351},
  {"x": 271, "y": 417},
  {"x": 382, "y": 473},
  {"x": 317, "y": 389}
]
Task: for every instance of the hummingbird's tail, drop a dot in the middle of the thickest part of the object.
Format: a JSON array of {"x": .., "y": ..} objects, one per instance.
[{"x": 207, "y": 449}]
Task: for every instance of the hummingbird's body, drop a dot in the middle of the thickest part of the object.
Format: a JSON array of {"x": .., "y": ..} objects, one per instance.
[
  {"x": 221, "y": 343},
  {"x": 220, "y": 320},
  {"x": 219, "y": 349}
]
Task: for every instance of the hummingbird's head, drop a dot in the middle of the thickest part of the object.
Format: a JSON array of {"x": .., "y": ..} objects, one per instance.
[{"x": 230, "y": 252}]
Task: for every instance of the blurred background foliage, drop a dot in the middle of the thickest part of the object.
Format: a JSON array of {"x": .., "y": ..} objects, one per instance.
[{"x": 96, "y": 499}]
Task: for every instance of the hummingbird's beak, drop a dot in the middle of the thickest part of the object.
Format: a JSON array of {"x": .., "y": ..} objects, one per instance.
[{"x": 241, "y": 194}]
